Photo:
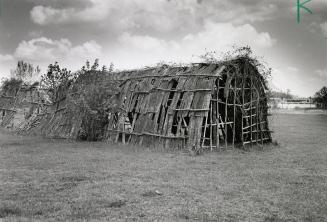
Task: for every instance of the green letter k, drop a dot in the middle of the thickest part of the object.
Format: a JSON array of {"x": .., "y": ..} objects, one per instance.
[{"x": 299, "y": 6}]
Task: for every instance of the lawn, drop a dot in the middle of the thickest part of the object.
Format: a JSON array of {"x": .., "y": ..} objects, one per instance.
[{"x": 57, "y": 180}]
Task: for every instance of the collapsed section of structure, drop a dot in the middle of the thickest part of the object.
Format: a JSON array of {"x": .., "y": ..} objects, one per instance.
[{"x": 199, "y": 106}]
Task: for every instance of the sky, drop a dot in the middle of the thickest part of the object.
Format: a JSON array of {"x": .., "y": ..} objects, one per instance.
[{"x": 138, "y": 33}]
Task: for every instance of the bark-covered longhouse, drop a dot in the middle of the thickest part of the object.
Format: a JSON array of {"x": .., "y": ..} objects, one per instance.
[{"x": 201, "y": 106}]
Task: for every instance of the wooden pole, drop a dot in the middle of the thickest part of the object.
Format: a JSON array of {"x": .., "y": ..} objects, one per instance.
[
  {"x": 243, "y": 93},
  {"x": 204, "y": 132},
  {"x": 211, "y": 125},
  {"x": 257, "y": 116},
  {"x": 260, "y": 125},
  {"x": 123, "y": 134},
  {"x": 226, "y": 125},
  {"x": 217, "y": 116},
  {"x": 117, "y": 136},
  {"x": 234, "y": 122},
  {"x": 251, "y": 118}
]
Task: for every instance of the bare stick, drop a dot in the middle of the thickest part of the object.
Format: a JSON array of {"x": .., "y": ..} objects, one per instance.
[
  {"x": 251, "y": 120},
  {"x": 226, "y": 126},
  {"x": 243, "y": 85},
  {"x": 211, "y": 125},
  {"x": 217, "y": 116},
  {"x": 204, "y": 132},
  {"x": 234, "y": 111}
]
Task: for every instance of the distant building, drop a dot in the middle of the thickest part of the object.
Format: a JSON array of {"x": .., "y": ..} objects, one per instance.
[
  {"x": 321, "y": 105},
  {"x": 299, "y": 103}
]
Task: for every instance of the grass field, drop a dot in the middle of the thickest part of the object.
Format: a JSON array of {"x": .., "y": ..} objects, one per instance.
[{"x": 47, "y": 180}]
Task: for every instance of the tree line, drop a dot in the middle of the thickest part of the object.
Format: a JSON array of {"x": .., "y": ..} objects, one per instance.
[
  {"x": 55, "y": 76},
  {"x": 27, "y": 73}
]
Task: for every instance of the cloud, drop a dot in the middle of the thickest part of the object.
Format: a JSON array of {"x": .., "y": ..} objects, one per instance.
[
  {"x": 292, "y": 70},
  {"x": 323, "y": 27},
  {"x": 132, "y": 50},
  {"x": 145, "y": 43},
  {"x": 6, "y": 61},
  {"x": 43, "y": 15},
  {"x": 321, "y": 72},
  {"x": 45, "y": 50},
  {"x": 145, "y": 49},
  {"x": 285, "y": 78},
  {"x": 6, "y": 58},
  {"x": 159, "y": 15},
  {"x": 220, "y": 35},
  {"x": 291, "y": 78}
]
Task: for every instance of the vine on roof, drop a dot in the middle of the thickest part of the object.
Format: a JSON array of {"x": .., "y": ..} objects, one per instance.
[{"x": 244, "y": 52}]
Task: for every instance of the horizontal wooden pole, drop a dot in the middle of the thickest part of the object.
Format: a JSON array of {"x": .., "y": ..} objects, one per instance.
[
  {"x": 220, "y": 124},
  {"x": 58, "y": 110},
  {"x": 45, "y": 104},
  {"x": 148, "y": 134},
  {"x": 254, "y": 141},
  {"x": 191, "y": 110},
  {"x": 244, "y": 117},
  {"x": 11, "y": 110},
  {"x": 253, "y": 125},
  {"x": 256, "y": 131},
  {"x": 228, "y": 104},
  {"x": 43, "y": 114},
  {"x": 8, "y": 97},
  {"x": 247, "y": 109},
  {"x": 171, "y": 90}
]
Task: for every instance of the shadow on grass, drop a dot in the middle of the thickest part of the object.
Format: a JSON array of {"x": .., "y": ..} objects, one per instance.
[
  {"x": 7, "y": 211},
  {"x": 90, "y": 208},
  {"x": 27, "y": 210}
]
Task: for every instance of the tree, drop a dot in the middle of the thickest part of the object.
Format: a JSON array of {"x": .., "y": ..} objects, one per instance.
[
  {"x": 92, "y": 99},
  {"x": 88, "y": 67},
  {"x": 56, "y": 77},
  {"x": 111, "y": 67},
  {"x": 104, "y": 69},
  {"x": 321, "y": 97},
  {"x": 25, "y": 71},
  {"x": 95, "y": 65}
]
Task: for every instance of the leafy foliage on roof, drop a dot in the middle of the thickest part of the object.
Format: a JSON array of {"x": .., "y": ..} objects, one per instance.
[{"x": 243, "y": 53}]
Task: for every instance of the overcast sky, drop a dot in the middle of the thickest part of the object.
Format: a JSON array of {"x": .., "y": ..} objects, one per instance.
[{"x": 138, "y": 33}]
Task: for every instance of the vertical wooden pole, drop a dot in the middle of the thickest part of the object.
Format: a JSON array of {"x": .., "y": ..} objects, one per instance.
[
  {"x": 251, "y": 121},
  {"x": 234, "y": 107},
  {"x": 260, "y": 124},
  {"x": 123, "y": 134},
  {"x": 261, "y": 133},
  {"x": 38, "y": 101},
  {"x": 226, "y": 126},
  {"x": 117, "y": 136},
  {"x": 217, "y": 116},
  {"x": 243, "y": 111},
  {"x": 211, "y": 125},
  {"x": 204, "y": 132},
  {"x": 257, "y": 116}
]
